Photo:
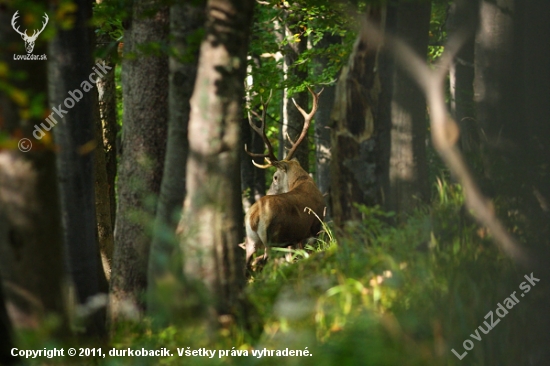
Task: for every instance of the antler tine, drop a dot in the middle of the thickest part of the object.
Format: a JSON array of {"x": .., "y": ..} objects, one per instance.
[
  {"x": 307, "y": 121},
  {"x": 263, "y": 166},
  {"x": 260, "y": 130},
  {"x": 13, "y": 19},
  {"x": 34, "y": 33},
  {"x": 44, "y": 23}
]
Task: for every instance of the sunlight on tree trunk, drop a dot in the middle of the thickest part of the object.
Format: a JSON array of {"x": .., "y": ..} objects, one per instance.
[
  {"x": 212, "y": 224},
  {"x": 408, "y": 170},
  {"x": 291, "y": 119},
  {"x": 105, "y": 235},
  {"x": 109, "y": 128}
]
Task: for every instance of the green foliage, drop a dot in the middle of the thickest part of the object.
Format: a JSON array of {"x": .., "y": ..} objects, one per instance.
[
  {"x": 312, "y": 19},
  {"x": 438, "y": 29},
  {"x": 109, "y": 17},
  {"x": 402, "y": 296}
]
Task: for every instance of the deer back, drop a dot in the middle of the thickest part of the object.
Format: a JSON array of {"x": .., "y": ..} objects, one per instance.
[{"x": 283, "y": 216}]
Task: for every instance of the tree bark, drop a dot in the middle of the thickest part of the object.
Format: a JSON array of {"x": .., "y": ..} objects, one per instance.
[
  {"x": 407, "y": 169},
  {"x": 252, "y": 178},
  {"x": 106, "y": 87},
  {"x": 323, "y": 125},
  {"x": 31, "y": 244},
  {"x": 105, "y": 131},
  {"x": 512, "y": 84},
  {"x": 461, "y": 14},
  {"x": 212, "y": 224},
  {"x": 186, "y": 20},
  {"x": 292, "y": 120},
  {"x": 356, "y": 159},
  {"x": 144, "y": 131},
  {"x": 105, "y": 235},
  {"x": 70, "y": 68}
]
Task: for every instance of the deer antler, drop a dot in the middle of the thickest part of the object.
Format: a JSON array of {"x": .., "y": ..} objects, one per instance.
[
  {"x": 270, "y": 156},
  {"x": 24, "y": 34},
  {"x": 307, "y": 121},
  {"x": 13, "y": 19},
  {"x": 43, "y": 26}
]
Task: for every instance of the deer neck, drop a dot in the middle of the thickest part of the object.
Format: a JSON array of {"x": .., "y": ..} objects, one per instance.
[{"x": 296, "y": 181}]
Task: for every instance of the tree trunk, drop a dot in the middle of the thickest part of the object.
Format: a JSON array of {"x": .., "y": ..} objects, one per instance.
[
  {"x": 464, "y": 13},
  {"x": 31, "y": 249},
  {"x": 512, "y": 87},
  {"x": 185, "y": 23},
  {"x": 356, "y": 159},
  {"x": 144, "y": 131},
  {"x": 212, "y": 224},
  {"x": 105, "y": 131},
  {"x": 6, "y": 343},
  {"x": 105, "y": 233},
  {"x": 407, "y": 169},
  {"x": 292, "y": 120},
  {"x": 106, "y": 87},
  {"x": 252, "y": 178},
  {"x": 323, "y": 124},
  {"x": 70, "y": 68}
]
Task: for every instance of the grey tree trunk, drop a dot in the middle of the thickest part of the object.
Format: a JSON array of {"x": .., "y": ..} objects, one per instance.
[
  {"x": 105, "y": 164},
  {"x": 106, "y": 87},
  {"x": 212, "y": 224},
  {"x": 356, "y": 158},
  {"x": 292, "y": 120},
  {"x": 144, "y": 131},
  {"x": 186, "y": 20},
  {"x": 31, "y": 243},
  {"x": 252, "y": 178},
  {"x": 407, "y": 169},
  {"x": 70, "y": 67},
  {"x": 323, "y": 124},
  {"x": 464, "y": 13},
  {"x": 105, "y": 233},
  {"x": 512, "y": 86}
]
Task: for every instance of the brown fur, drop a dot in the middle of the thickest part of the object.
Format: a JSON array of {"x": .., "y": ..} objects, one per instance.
[{"x": 279, "y": 220}]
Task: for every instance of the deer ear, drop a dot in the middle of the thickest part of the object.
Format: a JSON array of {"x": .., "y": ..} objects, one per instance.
[{"x": 280, "y": 165}]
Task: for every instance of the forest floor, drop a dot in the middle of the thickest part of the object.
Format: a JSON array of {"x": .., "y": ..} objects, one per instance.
[{"x": 377, "y": 294}]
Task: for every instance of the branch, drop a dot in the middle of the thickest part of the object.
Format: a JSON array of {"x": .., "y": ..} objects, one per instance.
[{"x": 444, "y": 129}]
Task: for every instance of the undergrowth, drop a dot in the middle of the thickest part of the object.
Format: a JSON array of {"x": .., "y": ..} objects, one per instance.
[{"x": 375, "y": 294}]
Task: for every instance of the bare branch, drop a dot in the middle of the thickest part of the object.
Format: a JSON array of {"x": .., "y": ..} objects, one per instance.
[{"x": 444, "y": 129}]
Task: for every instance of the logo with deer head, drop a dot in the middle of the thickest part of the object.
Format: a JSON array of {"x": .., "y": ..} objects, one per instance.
[{"x": 29, "y": 40}]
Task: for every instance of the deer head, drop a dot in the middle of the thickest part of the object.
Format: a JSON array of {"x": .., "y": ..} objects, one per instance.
[
  {"x": 280, "y": 218},
  {"x": 270, "y": 155},
  {"x": 29, "y": 40}
]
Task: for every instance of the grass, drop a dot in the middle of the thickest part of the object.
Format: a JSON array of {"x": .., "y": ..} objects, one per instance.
[{"x": 373, "y": 295}]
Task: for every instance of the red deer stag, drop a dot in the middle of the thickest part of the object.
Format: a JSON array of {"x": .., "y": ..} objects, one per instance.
[{"x": 280, "y": 219}]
